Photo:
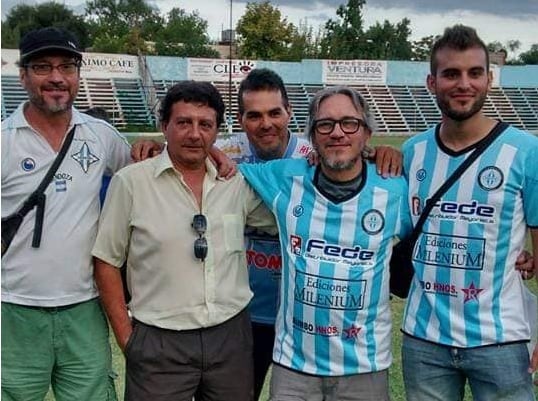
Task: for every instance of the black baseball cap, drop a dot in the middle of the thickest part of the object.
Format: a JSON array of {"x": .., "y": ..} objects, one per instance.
[{"x": 47, "y": 39}]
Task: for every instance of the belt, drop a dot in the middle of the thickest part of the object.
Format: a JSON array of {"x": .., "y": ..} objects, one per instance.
[{"x": 53, "y": 309}]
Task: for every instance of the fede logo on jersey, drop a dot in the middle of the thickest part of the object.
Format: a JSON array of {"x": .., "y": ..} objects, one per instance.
[
  {"x": 319, "y": 249},
  {"x": 470, "y": 212}
]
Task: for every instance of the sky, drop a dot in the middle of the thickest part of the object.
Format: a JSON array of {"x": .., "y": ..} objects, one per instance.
[{"x": 495, "y": 20}]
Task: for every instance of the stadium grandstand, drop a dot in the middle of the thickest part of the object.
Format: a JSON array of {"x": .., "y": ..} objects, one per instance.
[{"x": 129, "y": 88}]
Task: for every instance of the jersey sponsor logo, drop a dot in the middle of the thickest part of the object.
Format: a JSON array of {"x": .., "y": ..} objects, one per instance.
[
  {"x": 319, "y": 249},
  {"x": 310, "y": 328},
  {"x": 317, "y": 329},
  {"x": 298, "y": 211},
  {"x": 454, "y": 252},
  {"x": 471, "y": 293},
  {"x": 416, "y": 206},
  {"x": 490, "y": 178},
  {"x": 329, "y": 293},
  {"x": 84, "y": 157},
  {"x": 373, "y": 221},
  {"x": 351, "y": 332},
  {"x": 421, "y": 175},
  {"x": 305, "y": 150},
  {"x": 296, "y": 245},
  {"x": 28, "y": 164},
  {"x": 470, "y": 212},
  {"x": 261, "y": 260},
  {"x": 435, "y": 287}
]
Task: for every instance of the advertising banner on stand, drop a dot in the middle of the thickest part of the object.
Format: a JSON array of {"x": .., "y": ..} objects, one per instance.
[{"x": 358, "y": 72}]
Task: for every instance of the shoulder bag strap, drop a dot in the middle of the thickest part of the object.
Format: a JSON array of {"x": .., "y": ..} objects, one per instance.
[{"x": 38, "y": 197}]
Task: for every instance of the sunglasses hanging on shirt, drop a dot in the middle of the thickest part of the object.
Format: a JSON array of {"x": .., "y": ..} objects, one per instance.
[{"x": 199, "y": 224}]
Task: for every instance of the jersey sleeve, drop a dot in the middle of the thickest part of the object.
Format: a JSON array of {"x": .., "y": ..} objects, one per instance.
[
  {"x": 261, "y": 177},
  {"x": 406, "y": 225},
  {"x": 530, "y": 187},
  {"x": 258, "y": 214}
]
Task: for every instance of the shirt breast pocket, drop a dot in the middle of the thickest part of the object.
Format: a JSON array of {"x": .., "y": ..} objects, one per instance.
[{"x": 234, "y": 227}]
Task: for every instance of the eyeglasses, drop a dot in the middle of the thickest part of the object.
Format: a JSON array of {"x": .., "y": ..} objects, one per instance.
[
  {"x": 348, "y": 125},
  {"x": 199, "y": 224},
  {"x": 46, "y": 69}
]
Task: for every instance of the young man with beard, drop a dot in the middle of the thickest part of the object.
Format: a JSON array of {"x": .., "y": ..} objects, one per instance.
[
  {"x": 465, "y": 319},
  {"x": 337, "y": 223}
]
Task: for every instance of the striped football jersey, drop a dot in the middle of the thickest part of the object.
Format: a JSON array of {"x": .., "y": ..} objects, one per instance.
[
  {"x": 466, "y": 292},
  {"x": 334, "y": 316}
]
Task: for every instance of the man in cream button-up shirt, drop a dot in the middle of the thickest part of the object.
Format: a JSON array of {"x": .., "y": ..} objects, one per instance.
[{"x": 189, "y": 282}]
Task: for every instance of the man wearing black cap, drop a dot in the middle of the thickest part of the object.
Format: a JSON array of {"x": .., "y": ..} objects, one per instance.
[{"x": 54, "y": 332}]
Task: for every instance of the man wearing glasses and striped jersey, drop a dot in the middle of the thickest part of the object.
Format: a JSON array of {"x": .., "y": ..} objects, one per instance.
[{"x": 336, "y": 224}]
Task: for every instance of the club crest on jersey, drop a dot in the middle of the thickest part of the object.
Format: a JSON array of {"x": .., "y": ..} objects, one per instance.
[
  {"x": 84, "y": 157},
  {"x": 298, "y": 210},
  {"x": 373, "y": 222},
  {"x": 490, "y": 178},
  {"x": 421, "y": 175},
  {"x": 28, "y": 164}
]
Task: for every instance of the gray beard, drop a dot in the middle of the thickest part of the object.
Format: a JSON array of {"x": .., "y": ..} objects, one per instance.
[
  {"x": 339, "y": 165},
  {"x": 49, "y": 109}
]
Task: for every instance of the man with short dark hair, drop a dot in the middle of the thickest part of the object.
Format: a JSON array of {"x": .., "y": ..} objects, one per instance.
[
  {"x": 264, "y": 114},
  {"x": 54, "y": 332},
  {"x": 466, "y": 318},
  {"x": 180, "y": 229}
]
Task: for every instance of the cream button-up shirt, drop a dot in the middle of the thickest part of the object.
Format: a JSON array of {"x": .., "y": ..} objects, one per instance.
[{"x": 146, "y": 221}]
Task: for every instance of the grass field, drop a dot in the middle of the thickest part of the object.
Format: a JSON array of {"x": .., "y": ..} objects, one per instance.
[{"x": 397, "y": 305}]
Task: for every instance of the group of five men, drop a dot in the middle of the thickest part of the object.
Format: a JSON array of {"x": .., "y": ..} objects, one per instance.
[{"x": 179, "y": 228}]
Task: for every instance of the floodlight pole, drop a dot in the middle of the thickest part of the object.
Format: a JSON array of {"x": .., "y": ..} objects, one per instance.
[{"x": 230, "y": 76}]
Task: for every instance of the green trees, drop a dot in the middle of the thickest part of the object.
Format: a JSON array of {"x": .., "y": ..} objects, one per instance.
[
  {"x": 183, "y": 35},
  {"x": 122, "y": 26},
  {"x": 23, "y": 18},
  {"x": 344, "y": 37},
  {"x": 135, "y": 26},
  {"x": 116, "y": 26},
  {"x": 389, "y": 41},
  {"x": 421, "y": 48},
  {"x": 347, "y": 38},
  {"x": 530, "y": 56},
  {"x": 264, "y": 34}
]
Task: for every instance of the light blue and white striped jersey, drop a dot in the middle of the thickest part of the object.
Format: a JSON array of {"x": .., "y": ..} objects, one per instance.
[
  {"x": 263, "y": 250},
  {"x": 334, "y": 316},
  {"x": 466, "y": 292}
]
